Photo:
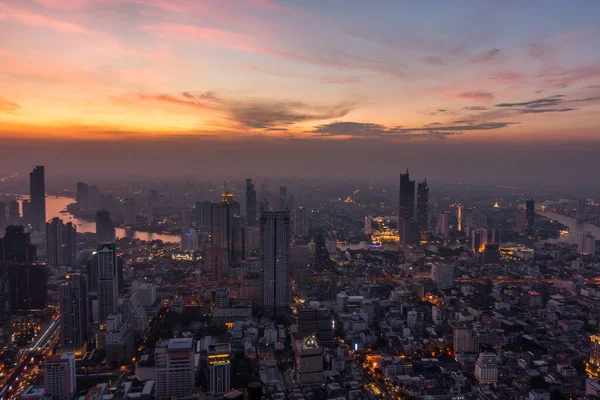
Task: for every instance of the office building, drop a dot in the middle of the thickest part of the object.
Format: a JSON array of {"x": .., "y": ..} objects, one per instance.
[
  {"x": 423, "y": 206},
  {"x": 219, "y": 369},
  {"x": 3, "y": 216},
  {"x": 134, "y": 313},
  {"x": 308, "y": 361},
  {"x": 486, "y": 368},
  {"x": 83, "y": 196},
  {"x": 61, "y": 243},
  {"x": 217, "y": 260},
  {"x": 27, "y": 286},
  {"x": 108, "y": 289},
  {"x": 443, "y": 224},
  {"x": 146, "y": 292},
  {"x": 186, "y": 220},
  {"x": 443, "y": 275},
  {"x": 202, "y": 213},
  {"x": 530, "y": 212},
  {"x": 587, "y": 244},
  {"x": 592, "y": 367},
  {"x": 129, "y": 213},
  {"x": 300, "y": 222},
  {"x": 59, "y": 376},
  {"x": 479, "y": 240},
  {"x": 274, "y": 263},
  {"x": 37, "y": 192},
  {"x": 105, "y": 228},
  {"x": 16, "y": 246},
  {"x": 118, "y": 339},
  {"x": 460, "y": 218},
  {"x": 465, "y": 340},
  {"x": 315, "y": 320},
  {"x": 74, "y": 316},
  {"x": 251, "y": 203},
  {"x": 174, "y": 368},
  {"x": 406, "y": 208},
  {"x": 14, "y": 216},
  {"x": 283, "y": 199}
]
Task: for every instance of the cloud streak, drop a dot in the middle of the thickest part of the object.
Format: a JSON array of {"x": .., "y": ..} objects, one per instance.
[{"x": 7, "y": 106}]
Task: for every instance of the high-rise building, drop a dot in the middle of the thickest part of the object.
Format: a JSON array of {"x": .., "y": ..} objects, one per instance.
[
  {"x": 479, "y": 240},
  {"x": 283, "y": 205},
  {"x": 3, "y": 216},
  {"x": 59, "y": 376},
  {"x": 27, "y": 286},
  {"x": 308, "y": 361},
  {"x": 580, "y": 212},
  {"x": 264, "y": 206},
  {"x": 274, "y": 263},
  {"x": 108, "y": 289},
  {"x": 27, "y": 213},
  {"x": 592, "y": 367},
  {"x": 217, "y": 260},
  {"x": 37, "y": 192},
  {"x": 174, "y": 368},
  {"x": 486, "y": 368},
  {"x": 129, "y": 212},
  {"x": 133, "y": 311},
  {"x": 300, "y": 222},
  {"x": 587, "y": 244},
  {"x": 219, "y": 369},
  {"x": 423, "y": 205},
  {"x": 151, "y": 207},
  {"x": 74, "y": 317},
  {"x": 530, "y": 212},
  {"x": 105, "y": 228},
  {"x": 14, "y": 215},
  {"x": 314, "y": 319},
  {"x": 460, "y": 216},
  {"x": 83, "y": 196},
  {"x": 146, "y": 292},
  {"x": 202, "y": 214},
  {"x": 406, "y": 209},
  {"x": 16, "y": 246},
  {"x": 251, "y": 203},
  {"x": 118, "y": 339},
  {"x": 61, "y": 243},
  {"x": 239, "y": 240},
  {"x": 443, "y": 224},
  {"x": 94, "y": 197},
  {"x": 443, "y": 275},
  {"x": 223, "y": 216},
  {"x": 186, "y": 221},
  {"x": 465, "y": 340},
  {"x": 189, "y": 241}
]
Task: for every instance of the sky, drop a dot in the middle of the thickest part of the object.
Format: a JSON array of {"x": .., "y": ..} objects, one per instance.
[{"x": 337, "y": 87}]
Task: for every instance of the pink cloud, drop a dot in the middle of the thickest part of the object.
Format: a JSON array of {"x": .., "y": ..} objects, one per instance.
[
  {"x": 38, "y": 20},
  {"x": 480, "y": 96},
  {"x": 8, "y": 106}
]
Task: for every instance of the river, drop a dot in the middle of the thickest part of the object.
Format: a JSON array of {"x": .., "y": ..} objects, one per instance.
[
  {"x": 575, "y": 227},
  {"x": 56, "y": 204}
]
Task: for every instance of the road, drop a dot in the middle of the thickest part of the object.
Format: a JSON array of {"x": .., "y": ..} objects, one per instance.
[{"x": 46, "y": 337}]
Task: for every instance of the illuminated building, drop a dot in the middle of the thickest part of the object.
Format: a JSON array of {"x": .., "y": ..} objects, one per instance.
[
  {"x": 530, "y": 212},
  {"x": 423, "y": 205},
  {"x": 74, "y": 315},
  {"x": 309, "y": 361},
  {"x": 83, "y": 196},
  {"x": 59, "y": 376},
  {"x": 406, "y": 208},
  {"x": 486, "y": 368},
  {"x": 105, "y": 228},
  {"x": 459, "y": 217},
  {"x": 219, "y": 369},
  {"x": 174, "y": 368},
  {"x": 443, "y": 224},
  {"x": 37, "y": 191},
  {"x": 251, "y": 203},
  {"x": 384, "y": 230},
  {"x": 587, "y": 244},
  {"x": 274, "y": 263},
  {"x": 592, "y": 367},
  {"x": 129, "y": 214},
  {"x": 443, "y": 275},
  {"x": 61, "y": 243},
  {"x": 108, "y": 289},
  {"x": 479, "y": 240}
]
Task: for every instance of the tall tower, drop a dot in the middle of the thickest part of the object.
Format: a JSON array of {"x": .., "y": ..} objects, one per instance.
[
  {"x": 61, "y": 243},
  {"x": 250, "y": 203},
  {"x": 105, "y": 228},
  {"x": 282, "y": 198},
  {"x": 37, "y": 192},
  {"x": 129, "y": 213},
  {"x": 222, "y": 221},
  {"x": 83, "y": 196},
  {"x": 219, "y": 369},
  {"x": 406, "y": 209},
  {"x": 73, "y": 312},
  {"x": 530, "y": 212},
  {"x": 108, "y": 280},
  {"x": 423, "y": 205},
  {"x": 460, "y": 216},
  {"x": 274, "y": 262}
]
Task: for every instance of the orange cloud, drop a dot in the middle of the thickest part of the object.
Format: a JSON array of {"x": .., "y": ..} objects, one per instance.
[
  {"x": 8, "y": 106},
  {"x": 40, "y": 21}
]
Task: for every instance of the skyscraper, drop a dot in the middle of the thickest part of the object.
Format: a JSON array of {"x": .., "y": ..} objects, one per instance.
[
  {"x": 274, "y": 262},
  {"x": 105, "y": 228},
  {"x": 14, "y": 216},
  {"x": 174, "y": 368},
  {"x": 443, "y": 224},
  {"x": 27, "y": 286},
  {"x": 219, "y": 369},
  {"x": 423, "y": 205},
  {"x": 108, "y": 289},
  {"x": 264, "y": 206},
  {"x": 83, "y": 196},
  {"x": 37, "y": 192},
  {"x": 3, "y": 216},
  {"x": 300, "y": 222},
  {"x": 592, "y": 367},
  {"x": 587, "y": 244},
  {"x": 129, "y": 214},
  {"x": 16, "y": 246},
  {"x": 61, "y": 243},
  {"x": 74, "y": 315},
  {"x": 283, "y": 198},
  {"x": 203, "y": 213},
  {"x": 530, "y": 212},
  {"x": 250, "y": 203},
  {"x": 186, "y": 221},
  {"x": 406, "y": 209},
  {"x": 59, "y": 376},
  {"x": 443, "y": 275},
  {"x": 223, "y": 216},
  {"x": 580, "y": 212}
]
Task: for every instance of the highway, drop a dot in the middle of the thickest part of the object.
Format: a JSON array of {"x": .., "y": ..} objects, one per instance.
[{"x": 46, "y": 337}]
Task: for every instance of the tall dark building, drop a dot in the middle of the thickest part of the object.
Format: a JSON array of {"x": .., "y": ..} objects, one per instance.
[
  {"x": 406, "y": 209},
  {"x": 14, "y": 216},
  {"x": 250, "y": 203},
  {"x": 423, "y": 205},
  {"x": 275, "y": 287},
  {"x": 3, "y": 216},
  {"x": 61, "y": 243},
  {"x": 37, "y": 192},
  {"x": 530, "y": 212},
  {"x": 27, "y": 286},
  {"x": 283, "y": 198},
  {"x": 315, "y": 321},
  {"x": 27, "y": 213},
  {"x": 108, "y": 280},
  {"x": 83, "y": 196},
  {"x": 74, "y": 317},
  {"x": 16, "y": 246},
  {"x": 105, "y": 228},
  {"x": 202, "y": 214},
  {"x": 264, "y": 206},
  {"x": 224, "y": 214}
]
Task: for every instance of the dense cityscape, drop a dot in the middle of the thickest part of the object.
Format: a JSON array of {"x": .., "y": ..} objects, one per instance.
[{"x": 312, "y": 290}]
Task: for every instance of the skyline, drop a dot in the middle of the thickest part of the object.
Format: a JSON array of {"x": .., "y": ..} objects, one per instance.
[{"x": 182, "y": 80}]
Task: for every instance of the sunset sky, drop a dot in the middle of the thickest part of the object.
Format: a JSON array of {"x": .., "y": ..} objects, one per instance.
[{"x": 395, "y": 72}]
